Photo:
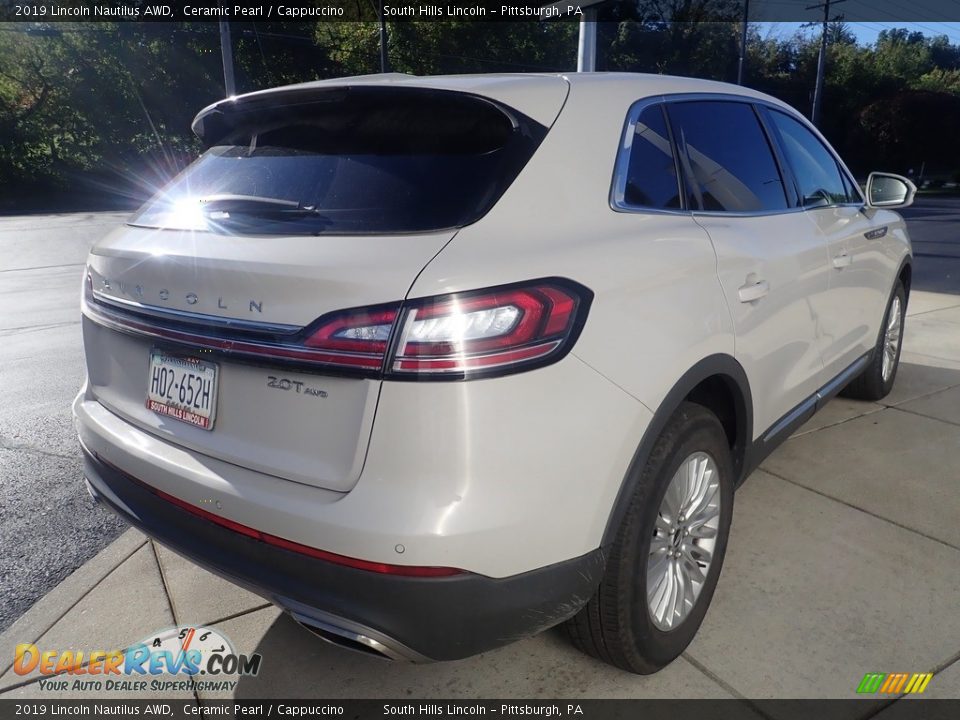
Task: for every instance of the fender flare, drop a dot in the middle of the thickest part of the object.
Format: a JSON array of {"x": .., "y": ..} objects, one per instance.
[
  {"x": 732, "y": 373},
  {"x": 907, "y": 261}
]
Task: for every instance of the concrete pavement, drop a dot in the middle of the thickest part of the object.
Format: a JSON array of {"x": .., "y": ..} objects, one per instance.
[{"x": 844, "y": 558}]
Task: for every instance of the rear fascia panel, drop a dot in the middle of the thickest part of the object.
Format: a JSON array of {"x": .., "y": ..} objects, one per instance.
[{"x": 458, "y": 474}]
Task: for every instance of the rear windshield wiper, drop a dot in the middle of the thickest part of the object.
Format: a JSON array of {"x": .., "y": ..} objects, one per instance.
[{"x": 220, "y": 207}]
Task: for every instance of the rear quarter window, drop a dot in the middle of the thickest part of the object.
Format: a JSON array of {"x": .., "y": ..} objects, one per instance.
[{"x": 651, "y": 179}]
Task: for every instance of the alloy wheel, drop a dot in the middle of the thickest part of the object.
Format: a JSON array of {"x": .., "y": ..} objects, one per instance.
[
  {"x": 683, "y": 541},
  {"x": 891, "y": 339}
]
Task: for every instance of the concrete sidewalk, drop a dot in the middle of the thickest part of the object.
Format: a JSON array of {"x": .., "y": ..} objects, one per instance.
[{"x": 844, "y": 558}]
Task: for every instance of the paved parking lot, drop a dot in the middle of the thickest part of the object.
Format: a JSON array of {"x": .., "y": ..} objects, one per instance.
[{"x": 844, "y": 556}]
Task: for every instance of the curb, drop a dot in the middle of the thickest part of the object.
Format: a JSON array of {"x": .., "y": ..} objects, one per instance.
[{"x": 47, "y": 611}]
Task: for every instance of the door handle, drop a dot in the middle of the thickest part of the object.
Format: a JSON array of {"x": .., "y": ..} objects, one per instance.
[
  {"x": 753, "y": 291},
  {"x": 842, "y": 260}
]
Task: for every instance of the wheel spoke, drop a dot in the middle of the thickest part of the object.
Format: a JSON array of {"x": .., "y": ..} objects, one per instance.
[
  {"x": 677, "y": 594},
  {"x": 703, "y": 511},
  {"x": 891, "y": 340},
  {"x": 694, "y": 570},
  {"x": 672, "y": 501},
  {"x": 894, "y": 319},
  {"x": 664, "y": 525},
  {"x": 699, "y": 554},
  {"x": 659, "y": 544},
  {"x": 656, "y": 571},
  {"x": 698, "y": 485},
  {"x": 689, "y": 591},
  {"x": 703, "y": 531},
  {"x": 660, "y": 597}
]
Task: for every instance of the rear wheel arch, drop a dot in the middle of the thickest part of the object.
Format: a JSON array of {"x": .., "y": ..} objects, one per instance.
[
  {"x": 717, "y": 382},
  {"x": 905, "y": 274}
]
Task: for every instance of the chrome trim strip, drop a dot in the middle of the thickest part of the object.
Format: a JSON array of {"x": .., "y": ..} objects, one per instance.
[
  {"x": 758, "y": 213},
  {"x": 262, "y": 351},
  {"x": 185, "y": 316}
]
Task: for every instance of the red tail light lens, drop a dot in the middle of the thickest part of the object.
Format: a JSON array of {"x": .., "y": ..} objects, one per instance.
[
  {"x": 488, "y": 331},
  {"x": 357, "y": 338}
]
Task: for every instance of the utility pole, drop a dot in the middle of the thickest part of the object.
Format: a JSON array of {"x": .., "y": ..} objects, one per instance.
[
  {"x": 384, "y": 60},
  {"x": 822, "y": 59},
  {"x": 226, "y": 54},
  {"x": 743, "y": 42},
  {"x": 587, "y": 44}
]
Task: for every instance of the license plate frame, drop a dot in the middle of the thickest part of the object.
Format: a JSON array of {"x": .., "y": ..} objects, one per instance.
[{"x": 183, "y": 387}]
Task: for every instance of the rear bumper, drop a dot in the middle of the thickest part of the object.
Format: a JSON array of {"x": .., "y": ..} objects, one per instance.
[{"x": 418, "y": 619}]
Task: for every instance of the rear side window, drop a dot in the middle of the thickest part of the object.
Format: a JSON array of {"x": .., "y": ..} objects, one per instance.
[
  {"x": 726, "y": 157},
  {"x": 651, "y": 179},
  {"x": 818, "y": 176},
  {"x": 365, "y": 160}
]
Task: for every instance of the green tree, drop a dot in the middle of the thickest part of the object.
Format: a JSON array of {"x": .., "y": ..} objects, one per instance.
[{"x": 431, "y": 47}]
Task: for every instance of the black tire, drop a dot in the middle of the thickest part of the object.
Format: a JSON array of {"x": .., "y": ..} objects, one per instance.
[
  {"x": 616, "y": 625},
  {"x": 870, "y": 385}
]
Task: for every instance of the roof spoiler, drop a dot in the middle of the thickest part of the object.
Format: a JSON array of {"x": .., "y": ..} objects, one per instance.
[{"x": 218, "y": 120}]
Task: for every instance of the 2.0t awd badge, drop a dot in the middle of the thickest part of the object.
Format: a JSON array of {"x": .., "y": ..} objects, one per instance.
[{"x": 295, "y": 385}]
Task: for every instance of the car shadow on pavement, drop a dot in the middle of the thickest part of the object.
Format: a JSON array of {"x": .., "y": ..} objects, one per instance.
[{"x": 299, "y": 664}]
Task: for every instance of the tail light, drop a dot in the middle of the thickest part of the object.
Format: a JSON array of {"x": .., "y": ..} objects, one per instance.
[
  {"x": 489, "y": 331},
  {"x": 457, "y": 336},
  {"x": 355, "y": 338}
]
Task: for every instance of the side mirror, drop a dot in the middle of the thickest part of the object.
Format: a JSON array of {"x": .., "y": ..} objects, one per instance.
[{"x": 886, "y": 190}]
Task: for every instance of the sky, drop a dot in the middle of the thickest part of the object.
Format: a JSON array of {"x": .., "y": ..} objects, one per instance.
[{"x": 867, "y": 32}]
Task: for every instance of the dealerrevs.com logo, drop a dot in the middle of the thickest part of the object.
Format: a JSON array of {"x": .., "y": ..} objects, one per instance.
[{"x": 172, "y": 659}]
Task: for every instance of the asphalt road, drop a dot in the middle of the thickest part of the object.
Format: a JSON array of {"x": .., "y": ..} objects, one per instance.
[
  {"x": 934, "y": 225},
  {"x": 48, "y": 524}
]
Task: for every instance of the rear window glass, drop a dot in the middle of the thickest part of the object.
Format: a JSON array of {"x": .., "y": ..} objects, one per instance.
[{"x": 367, "y": 162}]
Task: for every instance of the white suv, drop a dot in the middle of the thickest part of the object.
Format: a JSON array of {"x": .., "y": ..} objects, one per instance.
[{"x": 437, "y": 363}]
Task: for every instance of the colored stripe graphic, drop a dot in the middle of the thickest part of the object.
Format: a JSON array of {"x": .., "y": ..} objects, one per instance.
[
  {"x": 894, "y": 683},
  {"x": 871, "y": 682},
  {"x": 918, "y": 683}
]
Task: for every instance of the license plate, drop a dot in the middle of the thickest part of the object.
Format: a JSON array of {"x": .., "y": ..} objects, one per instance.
[{"x": 182, "y": 388}]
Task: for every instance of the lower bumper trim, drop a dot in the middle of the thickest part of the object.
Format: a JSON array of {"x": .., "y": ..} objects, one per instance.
[{"x": 398, "y": 617}]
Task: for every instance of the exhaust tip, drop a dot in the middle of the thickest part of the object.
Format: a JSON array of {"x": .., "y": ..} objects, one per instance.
[
  {"x": 348, "y": 640},
  {"x": 349, "y": 634}
]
